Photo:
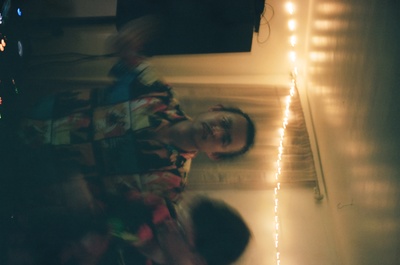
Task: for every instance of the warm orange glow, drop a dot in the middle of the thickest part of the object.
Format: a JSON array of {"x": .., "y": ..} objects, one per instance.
[
  {"x": 322, "y": 40},
  {"x": 289, "y": 7},
  {"x": 330, "y": 24},
  {"x": 2, "y": 44},
  {"x": 319, "y": 56},
  {"x": 292, "y": 24},
  {"x": 292, "y": 56},
  {"x": 332, "y": 8},
  {"x": 293, "y": 40}
]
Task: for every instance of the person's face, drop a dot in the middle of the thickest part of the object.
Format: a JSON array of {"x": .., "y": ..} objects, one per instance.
[{"x": 219, "y": 131}]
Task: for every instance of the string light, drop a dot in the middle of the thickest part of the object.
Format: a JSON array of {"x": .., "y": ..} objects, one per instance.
[
  {"x": 2, "y": 44},
  {"x": 293, "y": 40},
  {"x": 292, "y": 56},
  {"x": 292, "y": 24},
  {"x": 290, "y": 7}
]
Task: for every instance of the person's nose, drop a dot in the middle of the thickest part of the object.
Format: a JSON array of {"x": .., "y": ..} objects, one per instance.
[{"x": 218, "y": 132}]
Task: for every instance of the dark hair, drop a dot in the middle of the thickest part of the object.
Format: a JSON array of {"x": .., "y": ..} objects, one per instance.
[
  {"x": 251, "y": 132},
  {"x": 220, "y": 233}
]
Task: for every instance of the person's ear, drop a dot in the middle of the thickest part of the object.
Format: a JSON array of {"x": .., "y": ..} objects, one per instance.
[
  {"x": 216, "y": 107},
  {"x": 214, "y": 156}
]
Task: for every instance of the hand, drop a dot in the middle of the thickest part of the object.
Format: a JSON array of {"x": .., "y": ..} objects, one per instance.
[{"x": 132, "y": 38}]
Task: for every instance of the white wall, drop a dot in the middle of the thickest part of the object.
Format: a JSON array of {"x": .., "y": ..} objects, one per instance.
[{"x": 353, "y": 90}]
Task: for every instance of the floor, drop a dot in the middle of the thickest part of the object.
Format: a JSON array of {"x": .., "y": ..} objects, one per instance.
[{"x": 352, "y": 85}]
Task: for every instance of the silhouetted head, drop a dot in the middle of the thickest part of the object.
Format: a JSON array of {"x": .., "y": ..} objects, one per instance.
[{"x": 219, "y": 233}]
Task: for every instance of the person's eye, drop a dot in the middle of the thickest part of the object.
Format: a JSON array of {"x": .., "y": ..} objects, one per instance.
[
  {"x": 226, "y": 140},
  {"x": 225, "y": 123},
  {"x": 223, "y": 141}
]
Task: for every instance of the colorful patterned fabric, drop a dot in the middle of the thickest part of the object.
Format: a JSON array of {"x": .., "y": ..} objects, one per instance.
[
  {"x": 134, "y": 219},
  {"x": 109, "y": 132}
]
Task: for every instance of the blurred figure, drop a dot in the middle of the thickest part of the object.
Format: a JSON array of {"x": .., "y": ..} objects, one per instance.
[
  {"x": 144, "y": 231},
  {"x": 135, "y": 130},
  {"x": 216, "y": 231},
  {"x": 98, "y": 172},
  {"x": 128, "y": 228},
  {"x": 46, "y": 205}
]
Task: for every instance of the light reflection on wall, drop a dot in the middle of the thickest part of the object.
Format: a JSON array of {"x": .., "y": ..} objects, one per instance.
[
  {"x": 334, "y": 113},
  {"x": 321, "y": 56},
  {"x": 330, "y": 24},
  {"x": 322, "y": 41},
  {"x": 343, "y": 75},
  {"x": 358, "y": 149},
  {"x": 332, "y": 8},
  {"x": 315, "y": 70}
]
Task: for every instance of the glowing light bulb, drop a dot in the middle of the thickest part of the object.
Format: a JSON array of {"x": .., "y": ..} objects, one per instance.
[
  {"x": 289, "y": 7},
  {"x": 293, "y": 40},
  {"x": 2, "y": 44},
  {"x": 295, "y": 72},
  {"x": 285, "y": 121},
  {"x": 292, "y": 56},
  {"x": 292, "y": 24}
]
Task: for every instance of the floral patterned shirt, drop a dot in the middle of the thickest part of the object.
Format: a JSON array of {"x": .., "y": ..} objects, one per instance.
[{"x": 108, "y": 131}]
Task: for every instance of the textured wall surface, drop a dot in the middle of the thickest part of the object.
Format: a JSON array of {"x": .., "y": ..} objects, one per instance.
[{"x": 353, "y": 89}]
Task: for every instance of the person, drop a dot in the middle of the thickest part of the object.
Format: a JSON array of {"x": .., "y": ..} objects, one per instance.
[
  {"x": 205, "y": 231},
  {"x": 131, "y": 227},
  {"x": 146, "y": 229},
  {"x": 132, "y": 136},
  {"x": 134, "y": 131}
]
